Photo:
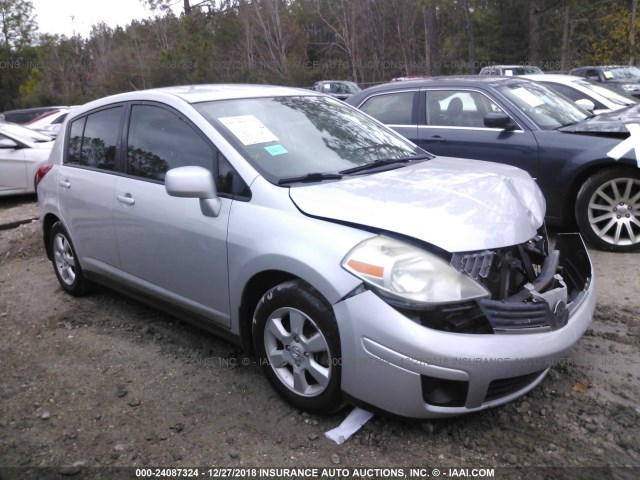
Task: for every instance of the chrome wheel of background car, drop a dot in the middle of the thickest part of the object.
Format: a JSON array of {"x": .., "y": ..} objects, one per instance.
[
  {"x": 608, "y": 210},
  {"x": 65, "y": 262},
  {"x": 296, "y": 339}
]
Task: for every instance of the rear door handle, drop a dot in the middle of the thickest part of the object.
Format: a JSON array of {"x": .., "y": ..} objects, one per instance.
[
  {"x": 127, "y": 199},
  {"x": 65, "y": 183},
  {"x": 435, "y": 139}
]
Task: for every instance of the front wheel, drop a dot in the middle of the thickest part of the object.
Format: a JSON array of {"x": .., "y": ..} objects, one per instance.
[
  {"x": 65, "y": 262},
  {"x": 296, "y": 340},
  {"x": 608, "y": 210}
]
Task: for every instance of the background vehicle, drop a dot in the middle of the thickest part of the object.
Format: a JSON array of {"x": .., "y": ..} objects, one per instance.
[
  {"x": 339, "y": 252},
  {"x": 595, "y": 97},
  {"x": 49, "y": 123},
  {"x": 25, "y": 115},
  {"x": 22, "y": 151},
  {"x": 622, "y": 77},
  {"x": 522, "y": 123},
  {"x": 339, "y": 89},
  {"x": 510, "y": 70}
]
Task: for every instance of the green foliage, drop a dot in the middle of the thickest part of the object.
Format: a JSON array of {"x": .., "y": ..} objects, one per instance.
[
  {"x": 608, "y": 41},
  {"x": 296, "y": 42}
]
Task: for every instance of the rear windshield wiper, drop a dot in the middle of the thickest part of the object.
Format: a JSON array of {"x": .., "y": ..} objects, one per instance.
[
  {"x": 383, "y": 162},
  {"x": 310, "y": 177}
]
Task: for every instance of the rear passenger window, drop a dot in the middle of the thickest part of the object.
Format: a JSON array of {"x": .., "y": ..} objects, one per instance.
[
  {"x": 93, "y": 139},
  {"x": 391, "y": 108},
  {"x": 160, "y": 140}
]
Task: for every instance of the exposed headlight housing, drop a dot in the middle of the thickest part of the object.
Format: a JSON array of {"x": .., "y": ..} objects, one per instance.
[{"x": 409, "y": 274}]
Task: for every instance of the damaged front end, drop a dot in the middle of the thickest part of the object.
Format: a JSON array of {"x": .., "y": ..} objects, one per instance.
[{"x": 532, "y": 288}]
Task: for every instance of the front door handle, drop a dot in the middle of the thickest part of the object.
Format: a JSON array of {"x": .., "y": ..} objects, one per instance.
[
  {"x": 435, "y": 139},
  {"x": 127, "y": 199},
  {"x": 65, "y": 183}
]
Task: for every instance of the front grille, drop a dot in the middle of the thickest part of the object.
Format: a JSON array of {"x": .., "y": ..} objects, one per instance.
[
  {"x": 506, "y": 386},
  {"x": 506, "y": 316}
]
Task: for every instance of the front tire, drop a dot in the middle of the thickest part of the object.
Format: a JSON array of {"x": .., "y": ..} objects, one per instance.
[
  {"x": 65, "y": 262},
  {"x": 608, "y": 210},
  {"x": 296, "y": 340}
]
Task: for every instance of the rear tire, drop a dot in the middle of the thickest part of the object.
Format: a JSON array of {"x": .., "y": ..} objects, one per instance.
[
  {"x": 296, "y": 340},
  {"x": 608, "y": 210},
  {"x": 65, "y": 262}
]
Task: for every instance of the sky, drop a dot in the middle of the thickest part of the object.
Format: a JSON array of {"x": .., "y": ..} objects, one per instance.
[{"x": 55, "y": 16}]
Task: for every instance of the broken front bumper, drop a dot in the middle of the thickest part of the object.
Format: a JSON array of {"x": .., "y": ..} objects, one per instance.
[{"x": 397, "y": 364}]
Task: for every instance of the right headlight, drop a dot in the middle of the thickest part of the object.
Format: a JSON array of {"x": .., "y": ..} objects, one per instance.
[{"x": 409, "y": 274}]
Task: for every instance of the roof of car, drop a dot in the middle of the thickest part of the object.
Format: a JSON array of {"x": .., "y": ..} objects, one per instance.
[
  {"x": 201, "y": 93},
  {"x": 559, "y": 77},
  {"x": 454, "y": 81},
  {"x": 602, "y": 67}
]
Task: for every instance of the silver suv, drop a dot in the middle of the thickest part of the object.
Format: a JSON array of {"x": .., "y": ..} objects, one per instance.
[{"x": 355, "y": 266}]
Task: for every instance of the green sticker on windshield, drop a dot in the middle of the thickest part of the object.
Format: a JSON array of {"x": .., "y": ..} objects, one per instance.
[{"x": 276, "y": 150}]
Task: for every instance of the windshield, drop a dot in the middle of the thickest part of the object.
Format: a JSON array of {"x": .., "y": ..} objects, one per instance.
[
  {"x": 613, "y": 95},
  {"x": 621, "y": 73},
  {"x": 23, "y": 134},
  {"x": 546, "y": 108},
  {"x": 284, "y": 137}
]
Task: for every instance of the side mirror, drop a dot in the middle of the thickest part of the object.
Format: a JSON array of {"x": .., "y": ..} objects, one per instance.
[
  {"x": 499, "y": 120},
  {"x": 194, "y": 182},
  {"x": 588, "y": 105},
  {"x": 8, "y": 143}
]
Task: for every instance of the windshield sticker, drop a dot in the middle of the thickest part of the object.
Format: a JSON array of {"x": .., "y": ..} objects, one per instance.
[
  {"x": 628, "y": 144},
  {"x": 248, "y": 129},
  {"x": 607, "y": 75},
  {"x": 508, "y": 73},
  {"x": 276, "y": 150},
  {"x": 527, "y": 97}
]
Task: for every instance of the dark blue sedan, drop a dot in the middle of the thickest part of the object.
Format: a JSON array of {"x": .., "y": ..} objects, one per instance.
[{"x": 586, "y": 166}]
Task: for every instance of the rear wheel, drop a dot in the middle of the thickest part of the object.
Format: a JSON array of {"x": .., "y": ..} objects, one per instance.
[
  {"x": 65, "y": 262},
  {"x": 608, "y": 209},
  {"x": 295, "y": 337}
]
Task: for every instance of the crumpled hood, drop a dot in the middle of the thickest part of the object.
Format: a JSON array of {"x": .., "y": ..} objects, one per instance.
[
  {"x": 611, "y": 122},
  {"x": 456, "y": 204}
]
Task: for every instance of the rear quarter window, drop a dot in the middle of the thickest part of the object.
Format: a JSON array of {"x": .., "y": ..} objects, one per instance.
[{"x": 93, "y": 139}]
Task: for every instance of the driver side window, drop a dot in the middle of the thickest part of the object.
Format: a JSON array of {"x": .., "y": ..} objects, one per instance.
[{"x": 458, "y": 108}]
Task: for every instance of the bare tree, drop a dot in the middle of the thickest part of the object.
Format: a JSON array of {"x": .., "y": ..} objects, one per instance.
[
  {"x": 268, "y": 17},
  {"x": 471, "y": 47},
  {"x": 342, "y": 20}
]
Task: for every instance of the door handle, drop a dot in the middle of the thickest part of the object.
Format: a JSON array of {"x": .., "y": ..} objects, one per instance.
[
  {"x": 127, "y": 199},
  {"x": 65, "y": 183},
  {"x": 435, "y": 139}
]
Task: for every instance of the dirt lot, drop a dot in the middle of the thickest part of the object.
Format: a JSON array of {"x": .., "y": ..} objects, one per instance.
[{"x": 104, "y": 381}]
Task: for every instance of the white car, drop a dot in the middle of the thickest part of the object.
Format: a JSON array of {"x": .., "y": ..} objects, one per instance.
[
  {"x": 49, "y": 123},
  {"x": 592, "y": 96},
  {"x": 22, "y": 151}
]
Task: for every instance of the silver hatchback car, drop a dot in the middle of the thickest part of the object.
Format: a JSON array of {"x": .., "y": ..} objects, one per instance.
[{"x": 356, "y": 267}]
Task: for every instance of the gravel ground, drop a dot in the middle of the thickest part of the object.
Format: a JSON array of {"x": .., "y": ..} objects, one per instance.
[{"x": 103, "y": 381}]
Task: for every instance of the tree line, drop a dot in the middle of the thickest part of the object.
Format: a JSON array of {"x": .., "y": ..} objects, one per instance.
[{"x": 297, "y": 42}]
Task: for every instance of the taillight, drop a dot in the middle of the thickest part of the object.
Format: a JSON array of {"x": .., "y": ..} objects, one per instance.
[{"x": 42, "y": 171}]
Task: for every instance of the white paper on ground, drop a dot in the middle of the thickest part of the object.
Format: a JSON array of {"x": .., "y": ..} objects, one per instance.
[{"x": 350, "y": 425}]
